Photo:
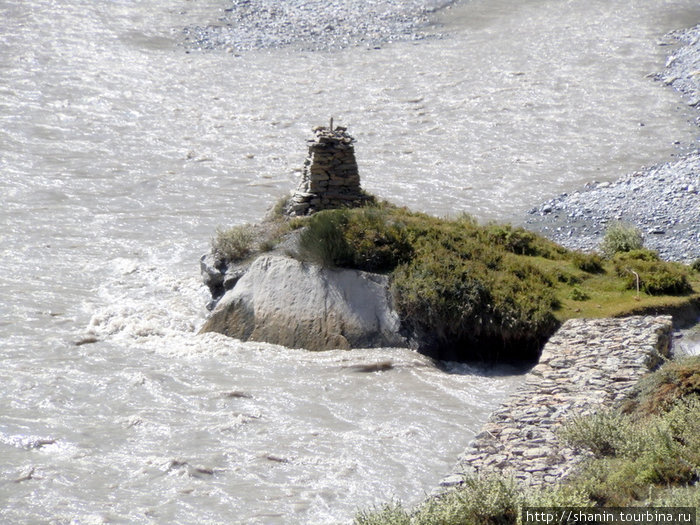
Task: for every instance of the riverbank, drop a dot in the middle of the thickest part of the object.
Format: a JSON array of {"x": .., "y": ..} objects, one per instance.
[
  {"x": 315, "y": 25},
  {"x": 523, "y": 437},
  {"x": 663, "y": 201}
]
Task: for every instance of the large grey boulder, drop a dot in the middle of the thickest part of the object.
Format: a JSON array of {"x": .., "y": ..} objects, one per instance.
[{"x": 300, "y": 305}]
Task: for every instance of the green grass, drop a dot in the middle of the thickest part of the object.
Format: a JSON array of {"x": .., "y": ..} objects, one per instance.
[
  {"x": 491, "y": 292},
  {"x": 644, "y": 454}
]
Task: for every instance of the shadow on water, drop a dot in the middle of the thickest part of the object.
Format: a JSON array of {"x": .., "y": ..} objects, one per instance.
[{"x": 514, "y": 368}]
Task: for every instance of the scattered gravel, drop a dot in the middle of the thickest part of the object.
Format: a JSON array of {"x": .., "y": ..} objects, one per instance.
[
  {"x": 683, "y": 66},
  {"x": 314, "y": 24},
  {"x": 662, "y": 201}
]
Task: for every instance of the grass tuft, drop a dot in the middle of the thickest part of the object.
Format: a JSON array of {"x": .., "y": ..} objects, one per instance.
[{"x": 234, "y": 244}]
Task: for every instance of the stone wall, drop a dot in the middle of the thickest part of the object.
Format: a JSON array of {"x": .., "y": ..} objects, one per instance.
[
  {"x": 330, "y": 178},
  {"x": 587, "y": 366}
]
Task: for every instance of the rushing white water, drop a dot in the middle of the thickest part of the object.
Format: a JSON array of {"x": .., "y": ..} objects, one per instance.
[{"x": 119, "y": 156}]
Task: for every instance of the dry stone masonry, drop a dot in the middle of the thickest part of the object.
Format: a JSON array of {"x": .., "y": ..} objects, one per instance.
[
  {"x": 330, "y": 178},
  {"x": 587, "y": 366}
]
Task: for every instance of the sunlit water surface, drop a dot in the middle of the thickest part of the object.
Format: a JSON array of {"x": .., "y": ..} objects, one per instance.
[{"x": 119, "y": 156}]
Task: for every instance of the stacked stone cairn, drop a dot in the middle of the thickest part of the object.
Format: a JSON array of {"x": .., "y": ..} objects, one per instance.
[{"x": 330, "y": 178}]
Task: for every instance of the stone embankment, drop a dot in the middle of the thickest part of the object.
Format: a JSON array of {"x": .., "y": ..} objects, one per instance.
[{"x": 587, "y": 366}]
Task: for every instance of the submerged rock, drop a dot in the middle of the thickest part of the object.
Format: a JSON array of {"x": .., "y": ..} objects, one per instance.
[{"x": 301, "y": 305}]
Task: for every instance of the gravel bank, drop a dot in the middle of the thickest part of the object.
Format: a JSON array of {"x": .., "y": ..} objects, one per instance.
[
  {"x": 663, "y": 201},
  {"x": 314, "y": 24}
]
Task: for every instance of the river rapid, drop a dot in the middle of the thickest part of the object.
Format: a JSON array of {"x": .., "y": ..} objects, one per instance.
[{"x": 122, "y": 150}]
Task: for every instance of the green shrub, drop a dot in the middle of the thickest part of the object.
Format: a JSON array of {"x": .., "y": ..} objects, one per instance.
[
  {"x": 279, "y": 210},
  {"x": 696, "y": 265},
  {"x": 267, "y": 245},
  {"x": 364, "y": 239},
  {"x": 588, "y": 262},
  {"x": 234, "y": 244},
  {"x": 322, "y": 240},
  {"x": 656, "y": 277},
  {"x": 520, "y": 241},
  {"x": 655, "y": 447},
  {"x": 463, "y": 304},
  {"x": 377, "y": 242},
  {"x": 563, "y": 276},
  {"x": 603, "y": 433},
  {"x": 684, "y": 496},
  {"x": 514, "y": 240},
  {"x": 621, "y": 238},
  {"x": 579, "y": 295},
  {"x": 388, "y": 514},
  {"x": 481, "y": 500}
]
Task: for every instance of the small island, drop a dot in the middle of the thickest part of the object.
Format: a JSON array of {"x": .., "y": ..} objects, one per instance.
[{"x": 334, "y": 267}]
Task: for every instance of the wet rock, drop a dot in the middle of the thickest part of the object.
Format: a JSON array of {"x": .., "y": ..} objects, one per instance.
[
  {"x": 283, "y": 301},
  {"x": 86, "y": 340},
  {"x": 213, "y": 270}
]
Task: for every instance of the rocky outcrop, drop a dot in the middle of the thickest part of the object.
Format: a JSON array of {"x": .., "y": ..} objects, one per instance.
[
  {"x": 330, "y": 178},
  {"x": 301, "y": 305},
  {"x": 587, "y": 366}
]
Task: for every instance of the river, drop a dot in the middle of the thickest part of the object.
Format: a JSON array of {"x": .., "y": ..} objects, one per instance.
[{"x": 121, "y": 151}]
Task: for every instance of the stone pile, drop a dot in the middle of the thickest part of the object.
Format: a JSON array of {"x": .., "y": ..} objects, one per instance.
[
  {"x": 587, "y": 366},
  {"x": 330, "y": 178}
]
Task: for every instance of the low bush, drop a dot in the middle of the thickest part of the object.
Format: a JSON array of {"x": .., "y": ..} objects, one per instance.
[
  {"x": 656, "y": 277},
  {"x": 654, "y": 454},
  {"x": 234, "y": 244},
  {"x": 322, "y": 240},
  {"x": 481, "y": 500},
  {"x": 621, "y": 238},
  {"x": 603, "y": 433},
  {"x": 649, "y": 446},
  {"x": 388, "y": 514},
  {"x": 520, "y": 241},
  {"x": 279, "y": 210},
  {"x": 588, "y": 262},
  {"x": 696, "y": 265},
  {"x": 578, "y": 295},
  {"x": 477, "y": 303},
  {"x": 565, "y": 276},
  {"x": 659, "y": 392},
  {"x": 364, "y": 239}
]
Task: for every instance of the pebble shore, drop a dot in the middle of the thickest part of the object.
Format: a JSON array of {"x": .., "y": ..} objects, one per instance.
[
  {"x": 314, "y": 24},
  {"x": 663, "y": 201}
]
